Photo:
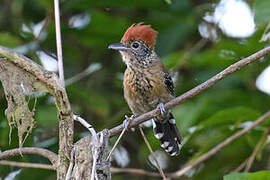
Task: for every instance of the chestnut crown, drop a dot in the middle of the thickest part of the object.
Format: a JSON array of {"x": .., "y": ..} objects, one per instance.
[{"x": 140, "y": 32}]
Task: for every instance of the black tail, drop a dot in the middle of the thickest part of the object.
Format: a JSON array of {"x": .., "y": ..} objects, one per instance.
[{"x": 168, "y": 135}]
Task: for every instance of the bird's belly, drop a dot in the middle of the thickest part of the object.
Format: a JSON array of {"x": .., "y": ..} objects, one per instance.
[
  {"x": 141, "y": 96},
  {"x": 140, "y": 101}
]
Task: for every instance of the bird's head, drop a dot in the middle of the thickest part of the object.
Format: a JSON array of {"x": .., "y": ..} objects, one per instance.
[{"x": 137, "y": 45}]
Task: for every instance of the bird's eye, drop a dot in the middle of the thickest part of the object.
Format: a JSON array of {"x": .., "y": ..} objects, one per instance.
[{"x": 135, "y": 45}]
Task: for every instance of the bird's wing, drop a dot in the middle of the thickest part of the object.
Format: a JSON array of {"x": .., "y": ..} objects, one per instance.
[
  {"x": 167, "y": 80},
  {"x": 169, "y": 83}
]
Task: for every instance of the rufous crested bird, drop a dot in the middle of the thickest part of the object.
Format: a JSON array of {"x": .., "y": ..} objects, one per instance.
[{"x": 147, "y": 83}]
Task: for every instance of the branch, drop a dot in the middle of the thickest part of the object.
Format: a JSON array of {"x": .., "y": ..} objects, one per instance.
[
  {"x": 27, "y": 165},
  {"x": 58, "y": 41},
  {"x": 257, "y": 149},
  {"x": 190, "y": 50},
  {"x": 217, "y": 148},
  {"x": 88, "y": 126},
  {"x": 153, "y": 154},
  {"x": 115, "y": 144},
  {"x": 180, "y": 99},
  {"x": 90, "y": 157},
  {"x": 30, "y": 150},
  {"x": 240, "y": 167},
  {"x": 134, "y": 171},
  {"x": 49, "y": 79},
  {"x": 51, "y": 83},
  {"x": 202, "y": 158},
  {"x": 46, "y": 22},
  {"x": 71, "y": 165}
]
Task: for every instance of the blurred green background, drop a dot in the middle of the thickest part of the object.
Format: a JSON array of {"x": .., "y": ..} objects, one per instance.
[{"x": 204, "y": 120}]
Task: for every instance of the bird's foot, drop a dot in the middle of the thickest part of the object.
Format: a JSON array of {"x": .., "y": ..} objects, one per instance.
[
  {"x": 162, "y": 109},
  {"x": 127, "y": 120}
]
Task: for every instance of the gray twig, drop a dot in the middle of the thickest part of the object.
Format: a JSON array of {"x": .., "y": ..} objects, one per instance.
[
  {"x": 30, "y": 150},
  {"x": 96, "y": 142},
  {"x": 58, "y": 41},
  {"x": 153, "y": 154},
  {"x": 240, "y": 167},
  {"x": 115, "y": 144},
  {"x": 86, "y": 125},
  {"x": 134, "y": 171},
  {"x": 256, "y": 151},
  {"x": 27, "y": 165},
  {"x": 71, "y": 165},
  {"x": 91, "y": 68}
]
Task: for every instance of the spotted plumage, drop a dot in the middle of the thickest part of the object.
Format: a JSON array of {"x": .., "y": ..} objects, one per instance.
[{"x": 147, "y": 83}]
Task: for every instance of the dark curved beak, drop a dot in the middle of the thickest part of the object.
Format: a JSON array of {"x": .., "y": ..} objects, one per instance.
[{"x": 118, "y": 46}]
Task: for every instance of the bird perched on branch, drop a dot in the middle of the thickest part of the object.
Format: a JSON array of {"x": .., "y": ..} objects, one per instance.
[{"x": 147, "y": 84}]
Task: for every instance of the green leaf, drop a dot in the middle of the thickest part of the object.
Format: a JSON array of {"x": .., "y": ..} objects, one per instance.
[
  {"x": 187, "y": 114},
  {"x": 93, "y": 100},
  {"x": 47, "y": 115},
  {"x": 232, "y": 116},
  {"x": 262, "y": 13},
  {"x": 260, "y": 175},
  {"x": 173, "y": 59},
  {"x": 168, "y": 1},
  {"x": 7, "y": 39},
  {"x": 216, "y": 128}
]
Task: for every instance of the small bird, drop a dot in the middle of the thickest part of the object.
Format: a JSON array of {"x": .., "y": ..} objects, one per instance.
[{"x": 147, "y": 83}]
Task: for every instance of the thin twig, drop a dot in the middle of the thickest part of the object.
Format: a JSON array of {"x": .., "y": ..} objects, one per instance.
[
  {"x": 27, "y": 165},
  {"x": 217, "y": 148},
  {"x": 58, "y": 41},
  {"x": 180, "y": 99},
  {"x": 29, "y": 150},
  {"x": 93, "y": 173},
  {"x": 46, "y": 22},
  {"x": 134, "y": 171},
  {"x": 89, "y": 70},
  {"x": 115, "y": 144},
  {"x": 200, "y": 44},
  {"x": 97, "y": 144},
  {"x": 152, "y": 153},
  {"x": 71, "y": 165},
  {"x": 86, "y": 125},
  {"x": 240, "y": 167},
  {"x": 256, "y": 151}
]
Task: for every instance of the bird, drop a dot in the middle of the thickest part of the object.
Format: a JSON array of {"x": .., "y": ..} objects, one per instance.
[{"x": 147, "y": 84}]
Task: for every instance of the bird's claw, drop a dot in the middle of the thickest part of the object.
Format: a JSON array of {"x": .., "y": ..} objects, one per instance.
[
  {"x": 162, "y": 109},
  {"x": 127, "y": 121}
]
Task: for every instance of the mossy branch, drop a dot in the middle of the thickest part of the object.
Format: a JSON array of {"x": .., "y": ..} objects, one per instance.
[{"x": 47, "y": 81}]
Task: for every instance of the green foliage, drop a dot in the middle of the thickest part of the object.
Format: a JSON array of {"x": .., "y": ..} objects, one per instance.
[
  {"x": 261, "y": 175},
  {"x": 9, "y": 40},
  {"x": 262, "y": 13}
]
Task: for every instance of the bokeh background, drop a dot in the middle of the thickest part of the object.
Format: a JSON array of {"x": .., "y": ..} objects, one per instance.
[{"x": 197, "y": 39}]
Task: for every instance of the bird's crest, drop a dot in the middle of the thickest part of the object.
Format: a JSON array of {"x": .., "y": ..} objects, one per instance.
[{"x": 142, "y": 32}]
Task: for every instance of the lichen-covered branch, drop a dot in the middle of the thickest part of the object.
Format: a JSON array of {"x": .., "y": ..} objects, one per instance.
[
  {"x": 48, "y": 81},
  {"x": 84, "y": 148}
]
